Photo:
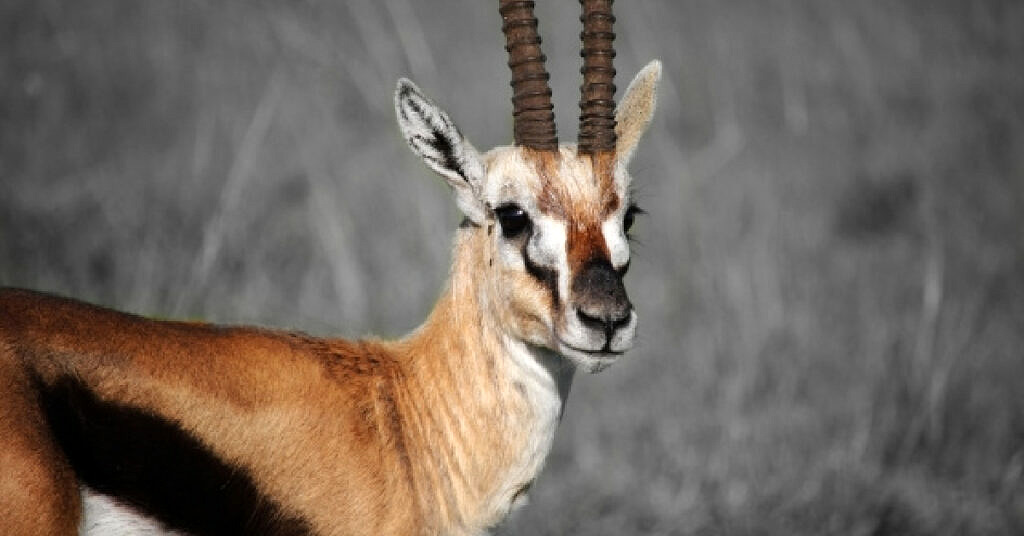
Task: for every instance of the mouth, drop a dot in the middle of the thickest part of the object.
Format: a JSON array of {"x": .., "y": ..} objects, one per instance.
[
  {"x": 591, "y": 360},
  {"x": 603, "y": 352}
]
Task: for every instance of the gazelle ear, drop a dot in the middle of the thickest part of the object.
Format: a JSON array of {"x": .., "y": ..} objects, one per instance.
[
  {"x": 635, "y": 110},
  {"x": 434, "y": 137}
]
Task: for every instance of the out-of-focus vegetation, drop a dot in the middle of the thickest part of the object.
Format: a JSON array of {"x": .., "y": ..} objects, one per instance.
[{"x": 830, "y": 277}]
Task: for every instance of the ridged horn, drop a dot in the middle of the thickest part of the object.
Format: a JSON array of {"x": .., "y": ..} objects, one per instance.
[
  {"x": 597, "y": 94},
  {"x": 533, "y": 115}
]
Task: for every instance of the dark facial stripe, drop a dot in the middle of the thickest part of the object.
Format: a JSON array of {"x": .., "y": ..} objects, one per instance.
[
  {"x": 156, "y": 467},
  {"x": 546, "y": 276}
]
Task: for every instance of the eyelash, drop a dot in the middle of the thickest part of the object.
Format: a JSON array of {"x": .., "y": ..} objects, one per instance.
[{"x": 629, "y": 217}]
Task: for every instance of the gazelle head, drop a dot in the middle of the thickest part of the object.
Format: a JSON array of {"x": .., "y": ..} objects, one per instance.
[{"x": 554, "y": 219}]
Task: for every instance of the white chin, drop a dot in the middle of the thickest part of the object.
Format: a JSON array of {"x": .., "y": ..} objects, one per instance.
[{"x": 591, "y": 362}]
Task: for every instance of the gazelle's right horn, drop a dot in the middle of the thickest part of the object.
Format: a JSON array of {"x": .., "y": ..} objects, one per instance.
[{"x": 531, "y": 95}]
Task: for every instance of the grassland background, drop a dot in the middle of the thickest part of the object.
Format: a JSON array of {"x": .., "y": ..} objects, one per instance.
[{"x": 830, "y": 277}]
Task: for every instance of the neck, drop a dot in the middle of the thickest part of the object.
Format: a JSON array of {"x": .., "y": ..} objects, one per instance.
[{"x": 488, "y": 403}]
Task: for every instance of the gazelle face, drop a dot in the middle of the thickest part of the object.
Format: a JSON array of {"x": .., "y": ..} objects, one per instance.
[
  {"x": 557, "y": 238},
  {"x": 556, "y": 225}
]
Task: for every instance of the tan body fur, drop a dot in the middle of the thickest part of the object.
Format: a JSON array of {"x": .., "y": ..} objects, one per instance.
[
  {"x": 399, "y": 461},
  {"x": 436, "y": 433}
]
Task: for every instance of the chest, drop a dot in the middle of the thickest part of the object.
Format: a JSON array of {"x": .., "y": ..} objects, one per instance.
[{"x": 542, "y": 391}]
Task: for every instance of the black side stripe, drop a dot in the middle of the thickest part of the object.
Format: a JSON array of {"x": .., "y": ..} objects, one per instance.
[{"x": 156, "y": 467}]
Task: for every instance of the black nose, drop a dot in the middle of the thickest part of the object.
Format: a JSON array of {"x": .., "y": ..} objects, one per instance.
[{"x": 600, "y": 298}]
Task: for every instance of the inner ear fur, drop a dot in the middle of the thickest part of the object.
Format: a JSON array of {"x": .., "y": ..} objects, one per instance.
[{"x": 433, "y": 136}]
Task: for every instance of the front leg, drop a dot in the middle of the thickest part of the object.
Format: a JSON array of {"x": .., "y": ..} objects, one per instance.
[{"x": 38, "y": 491}]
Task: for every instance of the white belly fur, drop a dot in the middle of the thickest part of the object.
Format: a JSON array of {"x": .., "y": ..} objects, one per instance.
[{"x": 103, "y": 516}]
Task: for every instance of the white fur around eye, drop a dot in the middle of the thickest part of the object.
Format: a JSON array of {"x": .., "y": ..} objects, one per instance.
[
  {"x": 615, "y": 239},
  {"x": 547, "y": 246}
]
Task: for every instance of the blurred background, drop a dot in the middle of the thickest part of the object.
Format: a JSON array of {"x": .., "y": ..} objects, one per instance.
[{"x": 830, "y": 275}]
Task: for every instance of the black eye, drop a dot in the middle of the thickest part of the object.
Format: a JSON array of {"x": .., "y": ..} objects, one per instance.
[
  {"x": 513, "y": 220},
  {"x": 627, "y": 220}
]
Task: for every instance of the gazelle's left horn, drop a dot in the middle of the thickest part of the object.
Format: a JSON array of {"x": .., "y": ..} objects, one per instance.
[{"x": 597, "y": 94}]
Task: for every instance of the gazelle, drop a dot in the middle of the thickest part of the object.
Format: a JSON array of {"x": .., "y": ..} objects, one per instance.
[{"x": 112, "y": 423}]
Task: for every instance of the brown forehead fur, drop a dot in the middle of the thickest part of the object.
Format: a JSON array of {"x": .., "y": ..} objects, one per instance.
[
  {"x": 581, "y": 190},
  {"x": 575, "y": 187}
]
